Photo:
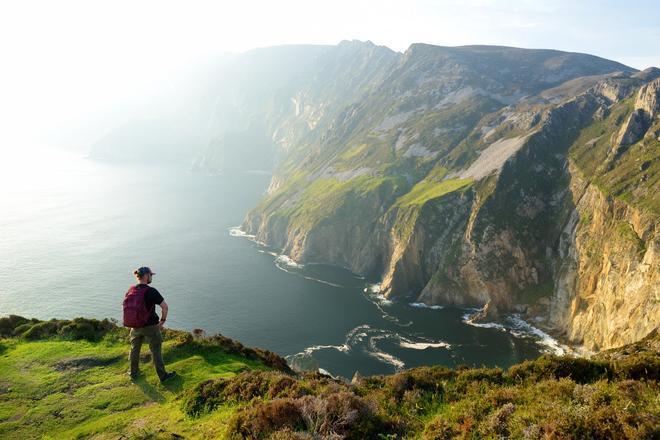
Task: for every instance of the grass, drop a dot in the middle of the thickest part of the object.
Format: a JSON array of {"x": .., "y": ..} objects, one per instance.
[
  {"x": 532, "y": 294},
  {"x": 631, "y": 175},
  {"x": 590, "y": 149},
  {"x": 429, "y": 189},
  {"x": 324, "y": 199},
  {"x": 552, "y": 397},
  {"x": 55, "y": 387},
  {"x": 625, "y": 230}
]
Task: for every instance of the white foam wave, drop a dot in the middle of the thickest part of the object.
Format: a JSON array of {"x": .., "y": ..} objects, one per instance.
[
  {"x": 373, "y": 288},
  {"x": 344, "y": 348},
  {"x": 288, "y": 261},
  {"x": 388, "y": 359},
  {"x": 300, "y": 274},
  {"x": 326, "y": 372},
  {"x": 423, "y": 345},
  {"x": 494, "y": 325},
  {"x": 373, "y": 293},
  {"x": 468, "y": 318},
  {"x": 358, "y": 333},
  {"x": 365, "y": 339},
  {"x": 364, "y": 333},
  {"x": 381, "y": 301},
  {"x": 382, "y": 356},
  {"x": 425, "y": 306},
  {"x": 236, "y": 231},
  {"x": 522, "y": 328}
]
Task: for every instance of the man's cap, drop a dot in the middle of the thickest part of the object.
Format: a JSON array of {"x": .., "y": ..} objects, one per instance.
[{"x": 144, "y": 270}]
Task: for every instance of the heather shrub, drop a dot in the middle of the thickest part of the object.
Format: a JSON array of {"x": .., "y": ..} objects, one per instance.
[
  {"x": 289, "y": 434},
  {"x": 204, "y": 397},
  {"x": 630, "y": 389},
  {"x": 501, "y": 395},
  {"x": 600, "y": 423},
  {"x": 580, "y": 370},
  {"x": 75, "y": 329},
  {"x": 439, "y": 429},
  {"x": 263, "y": 419},
  {"x": 8, "y": 324},
  {"x": 244, "y": 387},
  {"x": 40, "y": 330},
  {"x": 231, "y": 346},
  {"x": 498, "y": 421},
  {"x": 343, "y": 414},
  {"x": 489, "y": 375},
  {"x": 423, "y": 379},
  {"x": 83, "y": 328},
  {"x": 638, "y": 366},
  {"x": 477, "y": 380}
]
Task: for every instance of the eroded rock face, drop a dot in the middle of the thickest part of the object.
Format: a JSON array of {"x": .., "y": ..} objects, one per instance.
[
  {"x": 647, "y": 106},
  {"x": 450, "y": 186},
  {"x": 608, "y": 283},
  {"x": 648, "y": 98}
]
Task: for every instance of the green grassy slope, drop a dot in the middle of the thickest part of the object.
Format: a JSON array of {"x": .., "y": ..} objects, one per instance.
[
  {"x": 632, "y": 174},
  {"x": 65, "y": 383},
  {"x": 67, "y": 380}
]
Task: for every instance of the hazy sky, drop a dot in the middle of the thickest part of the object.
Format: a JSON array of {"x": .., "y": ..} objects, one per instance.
[{"x": 63, "y": 60}]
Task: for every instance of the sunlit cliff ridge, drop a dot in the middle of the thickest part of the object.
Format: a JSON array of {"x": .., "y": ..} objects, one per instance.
[{"x": 508, "y": 179}]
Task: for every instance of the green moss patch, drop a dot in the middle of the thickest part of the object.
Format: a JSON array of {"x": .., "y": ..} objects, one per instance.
[{"x": 429, "y": 189}]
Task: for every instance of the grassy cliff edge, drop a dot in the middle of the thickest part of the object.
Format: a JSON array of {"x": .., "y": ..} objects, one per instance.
[{"x": 67, "y": 379}]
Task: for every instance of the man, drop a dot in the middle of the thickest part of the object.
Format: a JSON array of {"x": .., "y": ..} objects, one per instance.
[{"x": 140, "y": 315}]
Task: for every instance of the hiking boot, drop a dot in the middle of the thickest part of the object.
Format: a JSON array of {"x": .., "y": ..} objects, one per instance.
[{"x": 168, "y": 376}]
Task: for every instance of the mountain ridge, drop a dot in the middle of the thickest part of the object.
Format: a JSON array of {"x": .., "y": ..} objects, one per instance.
[
  {"x": 457, "y": 175},
  {"x": 424, "y": 126}
]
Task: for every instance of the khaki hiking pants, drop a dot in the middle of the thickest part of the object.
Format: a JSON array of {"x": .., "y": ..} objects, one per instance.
[{"x": 151, "y": 334}]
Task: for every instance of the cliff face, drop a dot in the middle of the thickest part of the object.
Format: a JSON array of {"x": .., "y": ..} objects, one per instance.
[
  {"x": 607, "y": 284},
  {"x": 458, "y": 176}
]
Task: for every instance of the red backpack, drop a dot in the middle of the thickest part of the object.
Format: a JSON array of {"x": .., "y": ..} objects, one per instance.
[{"x": 136, "y": 312}]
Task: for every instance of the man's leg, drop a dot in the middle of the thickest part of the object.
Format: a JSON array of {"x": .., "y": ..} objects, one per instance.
[
  {"x": 155, "y": 345},
  {"x": 136, "y": 344}
]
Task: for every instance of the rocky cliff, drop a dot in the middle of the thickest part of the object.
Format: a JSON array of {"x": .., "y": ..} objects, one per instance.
[
  {"x": 494, "y": 177},
  {"x": 607, "y": 284}
]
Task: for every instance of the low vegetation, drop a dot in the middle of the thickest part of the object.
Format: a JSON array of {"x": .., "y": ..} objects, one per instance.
[
  {"x": 64, "y": 386},
  {"x": 64, "y": 379},
  {"x": 632, "y": 174},
  {"x": 428, "y": 189}
]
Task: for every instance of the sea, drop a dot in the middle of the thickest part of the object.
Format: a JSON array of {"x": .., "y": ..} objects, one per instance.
[{"x": 73, "y": 229}]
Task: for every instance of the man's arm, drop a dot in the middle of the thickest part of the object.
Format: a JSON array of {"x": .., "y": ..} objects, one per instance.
[{"x": 163, "y": 316}]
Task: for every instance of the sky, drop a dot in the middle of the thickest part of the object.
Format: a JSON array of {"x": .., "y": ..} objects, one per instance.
[{"x": 66, "y": 63}]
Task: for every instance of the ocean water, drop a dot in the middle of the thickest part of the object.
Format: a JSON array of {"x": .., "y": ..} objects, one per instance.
[{"x": 73, "y": 229}]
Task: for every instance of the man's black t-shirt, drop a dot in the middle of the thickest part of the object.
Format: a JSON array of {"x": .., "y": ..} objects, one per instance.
[{"x": 152, "y": 297}]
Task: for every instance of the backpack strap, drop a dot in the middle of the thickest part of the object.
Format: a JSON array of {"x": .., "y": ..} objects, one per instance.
[{"x": 133, "y": 289}]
